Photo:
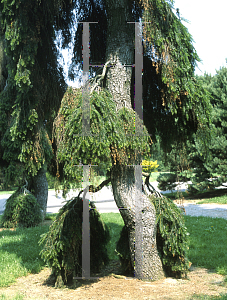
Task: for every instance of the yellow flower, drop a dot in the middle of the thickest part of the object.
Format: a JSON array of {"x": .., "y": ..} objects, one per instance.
[{"x": 149, "y": 166}]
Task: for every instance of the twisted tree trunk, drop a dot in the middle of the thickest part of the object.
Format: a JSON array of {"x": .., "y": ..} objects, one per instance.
[{"x": 120, "y": 52}]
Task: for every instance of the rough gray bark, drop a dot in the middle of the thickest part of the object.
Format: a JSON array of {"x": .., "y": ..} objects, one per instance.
[
  {"x": 120, "y": 51},
  {"x": 40, "y": 186}
]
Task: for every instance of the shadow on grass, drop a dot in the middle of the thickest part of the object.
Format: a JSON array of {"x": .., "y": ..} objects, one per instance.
[{"x": 19, "y": 252}]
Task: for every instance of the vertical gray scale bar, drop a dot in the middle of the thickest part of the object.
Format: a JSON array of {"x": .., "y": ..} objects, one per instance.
[
  {"x": 86, "y": 87},
  {"x": 138, "y": 168},
  {"x": 138, "y": 76},
  {"x": 138, "y": 223},
  {"x": 86, "y": 225}
]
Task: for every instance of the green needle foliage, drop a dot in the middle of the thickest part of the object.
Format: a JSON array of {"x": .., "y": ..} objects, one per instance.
[
  {"x": 62, "y": 244},
  {"x": 108, "y": 128},
  {"x": 175, "y": 104},
  {"x": 202, "y": 161},
  {"x": 172, "y": 240},
  {"x": 35, "y": 82},
  {"x": 21, "y": 210}
]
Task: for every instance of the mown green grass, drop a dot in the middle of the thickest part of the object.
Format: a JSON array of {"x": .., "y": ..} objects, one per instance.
[
  {"x": 218, "y": 200},
  {"x": 6, "y": 192},
  {"x": 19, "y": 253},
  {"x": 222, "y": 199},
  {"x": 19, "y": 250},
  {"x": 115, "y": 223},
  {"x": 205, "y": 297},
  {"x": 154, "y": 176},
  {"x": 50, "y": 216},
  {"x": 208, "y": 243}
]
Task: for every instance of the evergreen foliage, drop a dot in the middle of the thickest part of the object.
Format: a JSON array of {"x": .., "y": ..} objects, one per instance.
[
  {"x": 175, "y": 104},
  {"x": 21, "y": 210},
  {"x": 211, "y": 166},
  {"x": 171, "y": 237},
  {"x": 35, "y": 83},
  {"x": 203, "y": 161},
  {"x": 108, "y": 129},
  {"x": 62, "y": 244}
]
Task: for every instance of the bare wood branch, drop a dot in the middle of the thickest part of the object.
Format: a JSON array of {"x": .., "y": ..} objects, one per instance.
[{"x": 94, "y": 189}]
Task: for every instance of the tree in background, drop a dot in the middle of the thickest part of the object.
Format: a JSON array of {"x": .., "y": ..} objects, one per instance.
[
  {"x": 205, "y": 163},
  {"x": 32, "y": 87},
  {"x": 211, "y": 165}
]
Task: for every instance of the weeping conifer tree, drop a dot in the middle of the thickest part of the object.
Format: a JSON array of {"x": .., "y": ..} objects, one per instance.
[{"x": 174, "y": 104}]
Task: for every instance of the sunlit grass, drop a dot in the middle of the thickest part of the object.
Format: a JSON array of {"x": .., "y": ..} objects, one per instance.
[
  {"x": 115, "y": 223},
  {"x": 206, "y": 297},
  {"x": 6, "y": 192},
  {"x": 19, "y": 253},
  {"x": 16, "y": 297},
  {"x": 218, "y": 200},
  {"x": 19, "y": 250},
  {"x": 208, "y": 243}
]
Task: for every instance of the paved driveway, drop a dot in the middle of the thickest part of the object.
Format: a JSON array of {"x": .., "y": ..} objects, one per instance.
[
  {"x": 105, "y": 203},
  {"x": 104, "y": 200}
]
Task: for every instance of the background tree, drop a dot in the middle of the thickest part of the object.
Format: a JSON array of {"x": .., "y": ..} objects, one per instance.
[
  {"x": 211, "y": 166},
  {"x": 205, "y": 165},
  {"x": 33, "y": 89}
]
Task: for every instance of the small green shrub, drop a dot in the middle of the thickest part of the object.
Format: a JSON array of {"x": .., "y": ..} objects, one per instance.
[
  {"x": 167, "y": 181},
  {"x": 21, "y": 210},
  {"x": 171, "y": 237},
  {"x": 62, "y": 249}
]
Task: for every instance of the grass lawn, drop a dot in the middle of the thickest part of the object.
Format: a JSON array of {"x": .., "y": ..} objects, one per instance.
[
  {"x": 208, "y": 243},
  {"x": 218, "y": 200},
  {"x": 154, "y": 176},
  {"x": 19, "y": 250},
  {"x": 17, "y": 297},
  {"x": 204, "y": 297},
  {"x": 19, "y": 253}
]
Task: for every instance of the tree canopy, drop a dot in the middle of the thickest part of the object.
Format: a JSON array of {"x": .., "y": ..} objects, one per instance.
[
  {"x": 35, "y": 83},
  {"x": 201, "y": 160},
  {"x": 175, "y": 104}
]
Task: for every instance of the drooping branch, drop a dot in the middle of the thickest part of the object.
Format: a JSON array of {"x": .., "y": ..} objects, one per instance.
[
  {"x": 95, "y": 82},
  {"x": 149, "y": 187},
  {"x": 94, "y": 189}
]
